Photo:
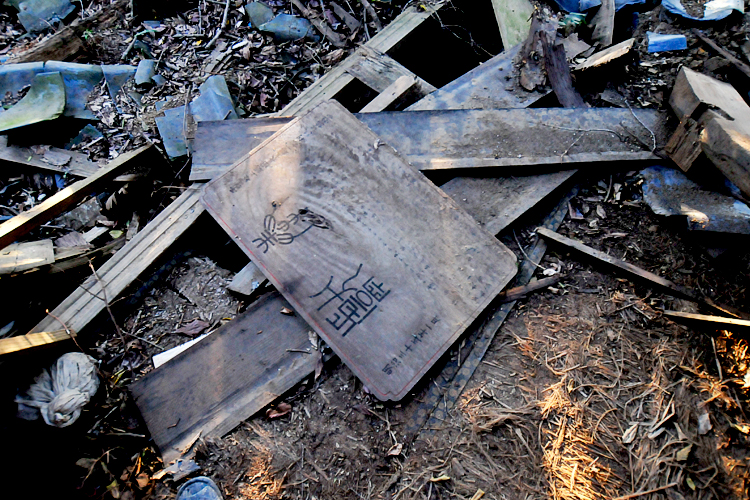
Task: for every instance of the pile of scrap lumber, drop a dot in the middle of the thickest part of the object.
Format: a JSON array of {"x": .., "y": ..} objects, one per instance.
[{"x": 333, "y": 210}]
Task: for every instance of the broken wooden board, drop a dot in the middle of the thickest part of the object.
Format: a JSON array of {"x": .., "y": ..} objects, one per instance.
[
  {"x": 471, "y": 138},
  {"x": 721, "y": 128},
  {"x": 558, "y": 73},
  {"x": 513, "y": 19},
  {"x": 488, "y": 86},
  {"x": 84, "y": 304},
  {"x": 367, "y": 270},
  {"x": 369, "y": 63},
  {"x": 78, "y": 166},
  {"x": 634, "y": 271},
  {"x": 606, "y": 56},
  {"x": 68, "y": 197},
  {"x": 24, "y": 256},
  {"x": 225, "y": 378},
  {"x": 248, "y": 280},
  {"x": 22, "y": 342},
  {"x": 604, "y": 23},
  {"x": 496, "y": 202}
]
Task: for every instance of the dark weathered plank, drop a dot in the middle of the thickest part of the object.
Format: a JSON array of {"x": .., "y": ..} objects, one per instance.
[
  {"x": 520, "y": 292},
  {"x": 495, "y": 202},
  {"x": 469, "y": 138},
  {"x": 558, "y": 73},
  {"x": 346, "y": 230},
  {"x": 225, "y": 378},
  {"x": 68, "y": 198},
  {"x": 484, "y": 87},
  {"x": 634, "y": 271}
]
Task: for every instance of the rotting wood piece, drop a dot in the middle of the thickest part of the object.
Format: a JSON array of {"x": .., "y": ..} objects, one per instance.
[
  {"x": 558, "y": 74},
  {"x": 67, "y": 43},
  {"x": 634, "y": 271},
  {"x": 24, "y": 256},
  {"x": 86, "y": 302},
  {"x": 374, "y": 241},
  {"x": 606, "y": 56},
  {"x": 69, "y": 197},
  {"x": 520, "y": 292},
  {"x": 723, "y": 125},
  {"x": 225, "y": 378}
]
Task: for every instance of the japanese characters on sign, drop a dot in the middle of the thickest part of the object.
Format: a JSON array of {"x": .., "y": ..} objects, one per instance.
[
  {"x": 349, "y": 304},
  {"x": 285, "y": 231}
]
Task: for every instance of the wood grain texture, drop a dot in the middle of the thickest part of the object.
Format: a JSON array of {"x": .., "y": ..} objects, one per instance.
[
  {"x": 226, "y": 377},
  {"x": 604, "y": 23},
  {"x": 606, "y": 56},
  {"x": 379, "y": 71},
  {"x": 513, "y": 19},
  {"x": 717, "y": 322},
  {"x": 24, "y": 256},
  {"x": 66, "y": 198},
  {"x": 450, "y": 139},
  {"x": 22, "y": 342},
  {"x": 558, "y": 74},
  {"x": 485, "y": 87},
  {"x": 390, "y": 94},
  {"x": 723, "y": 124},
  {"x": 126, "y": 265},
  {"x": 350, "y": 234}
]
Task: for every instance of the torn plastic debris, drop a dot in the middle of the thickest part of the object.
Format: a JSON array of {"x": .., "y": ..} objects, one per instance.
[
  {"x": 713, "y": 10},
  {"x": 669, "y": 192},
  {"x": 116, "y": 75},
  {"x": 37, "y": 15},
  {"x": 664, "y": 43},
  {"x": 259, "y": 13},
  {"x": 45, "y": 100},
  {"x": 80, "y": 80},
  {"x": 145, "y": 72},
  {"x": 584, "y": 5},
  {"x": 14, "y": 77},
  {"x": 87, "y": 134},
  {"x": 213, "y": 104},
  {"x": 286, "y": 27}
]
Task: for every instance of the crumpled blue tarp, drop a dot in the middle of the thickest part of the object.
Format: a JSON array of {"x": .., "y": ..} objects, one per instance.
[
  {"x": 37, "y": 15},
  {"x": 714, "y": 10}
]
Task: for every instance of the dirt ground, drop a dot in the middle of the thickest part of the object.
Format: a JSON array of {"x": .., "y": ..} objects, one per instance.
[{"x": 587, "y": 391}]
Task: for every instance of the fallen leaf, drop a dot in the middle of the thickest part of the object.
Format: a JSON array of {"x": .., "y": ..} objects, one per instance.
[
  {"x": 684, "y": 453},
  {"x": 704, "y": 424},
  {"x": 142, "y": 479},
  {"x": 280, "y": 410},
  {"x": 395, "y": 450},
  {"x": 193, "y": 328},
  {"x": 690, "y": 483},
  {"x": 86, "y": 463},
  {"x": 287, "y": 311},
  {"x": 439, "y": 478},
  {"x": 629, "y": 435}
]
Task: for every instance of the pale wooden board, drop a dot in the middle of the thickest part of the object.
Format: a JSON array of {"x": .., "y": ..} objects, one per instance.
[
  {"x": 226, "y": 377},
  {"x": 23, "y": 256},
  {"x": 513, "y": 19},
  {"x": 390, "y": 94},
  {"x": 476, "y": 138},
  {"x": 248, "y": 280},
  {"x": 495, "y": 202},
  {"x": 381, "y": 233}
]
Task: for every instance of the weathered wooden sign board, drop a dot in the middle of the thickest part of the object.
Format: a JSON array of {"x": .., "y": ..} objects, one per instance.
[{"x": 385, "y": 266}]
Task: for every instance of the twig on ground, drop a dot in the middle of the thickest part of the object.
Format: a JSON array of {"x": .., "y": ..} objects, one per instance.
[{"x": 216, "y": 36}]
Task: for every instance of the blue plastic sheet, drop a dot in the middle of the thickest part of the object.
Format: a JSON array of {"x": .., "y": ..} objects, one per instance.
[
  {"x": 664, "y": 43},
  {"x": 45, "y": 100},
  {"x": 713, "y": 10},
  {"x": 80, "y": 80},
  {"x": 584, "y": 5},
  {"x": 38, "y": 15}
]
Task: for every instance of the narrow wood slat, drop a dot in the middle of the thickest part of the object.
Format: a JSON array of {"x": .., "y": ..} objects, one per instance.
[{"x": 390, "y": 95}]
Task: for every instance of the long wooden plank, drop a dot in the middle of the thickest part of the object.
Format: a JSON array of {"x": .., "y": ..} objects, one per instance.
[
  {"x": 716, "y": 322},
  {"x": 379, "y": 71},
  {"x": 126, "y": 265},
  {"x": 22, "y": 342},
  {"x": 225, "y": 378},
  {"x": 67, "y": 198},
  {"x": 450, "y": 139},
  {"x": 513, "y": 19},
  {"x": 634, "y": 271},
  {"x": 345, "y": 229}
]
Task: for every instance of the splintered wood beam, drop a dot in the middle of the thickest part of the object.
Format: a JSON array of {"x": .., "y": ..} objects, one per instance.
[
  {"x": 520, "y": 292},
  {"x": 634, "y": 271},
  {"x": 87, "y": 301},
  {"x": 558, "y": 73},
  {"x": 717, "y": 322},
  {"x": 66, "y": 199},
  {"x": 390, "y": 95}
]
